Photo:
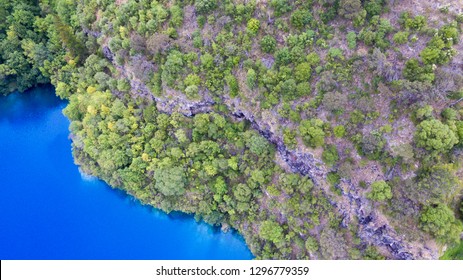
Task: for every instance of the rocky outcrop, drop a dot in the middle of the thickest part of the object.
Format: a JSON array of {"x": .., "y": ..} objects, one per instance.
[
  {"x": 370, "y": 230},
  {"x": 302, "y": 163},
  {"x": 174, "y": 102}
]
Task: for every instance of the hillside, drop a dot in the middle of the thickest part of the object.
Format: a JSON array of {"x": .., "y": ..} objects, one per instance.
[{"x": 320, "y": 129}]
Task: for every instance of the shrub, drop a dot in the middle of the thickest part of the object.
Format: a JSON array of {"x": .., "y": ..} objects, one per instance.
[
  {"x": 430, "y": 55},
  {"x": 459, "y": 130},
  {"x": 333, "y": 178},
  {"x": 351, "y": 40},
  {"x": 289, "y": 138},
  {"x": 372, "y": 145},
  {"x": 201, "y": 20},
  {"x": 330, "y": 155},
  {"x": 416, "y": 23},
  {"x": 251, "y": 78},
  {"x": 253, "y": 25},
  {"x": 288, "y": 89},
  {"x": 401, "y": 37},
  {"x": 192, "y": 91},
  {"x": 424, "y": 112},
  {"x": 449, "y": 34},
  {"x": 207, "y": 61},
  {"x": 335, "y": 102},
  {"x": 303, "y": 89},
  {"x": 374, "y": 7},
  {"x": 334, "y": 53},
  {"x": 449, "y": 114},
  {"x": 232, "y": 85},
  {"x": 350, "y": 9},
  {"x": 339, "y": 131},
  {"x": 192, "y": 79},
  {"x": 297, "y": 54}
]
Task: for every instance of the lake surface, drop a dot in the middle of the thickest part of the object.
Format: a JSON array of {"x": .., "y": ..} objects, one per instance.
[{"x": 48, "y": 210}]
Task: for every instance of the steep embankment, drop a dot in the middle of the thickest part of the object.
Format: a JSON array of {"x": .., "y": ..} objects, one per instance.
[
  {"x": 353, "y": 207},
  {"x": 318, "y": 129}
]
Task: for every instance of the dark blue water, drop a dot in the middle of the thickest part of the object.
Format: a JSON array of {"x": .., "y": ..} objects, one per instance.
[{"x": 48, "y": 210}]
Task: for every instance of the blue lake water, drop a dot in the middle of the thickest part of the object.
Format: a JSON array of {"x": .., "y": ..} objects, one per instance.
[{"x": 48, "y": 210}]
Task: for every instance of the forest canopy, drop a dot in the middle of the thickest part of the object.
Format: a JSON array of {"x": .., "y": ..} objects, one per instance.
[{"x": 304, "y": 125}]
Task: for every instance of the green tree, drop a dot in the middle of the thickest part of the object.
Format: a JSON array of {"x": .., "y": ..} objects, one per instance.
[
  {"x": 242, "y": 192},
  {"x": 176, "y": 14},
  {"x": 258, "y": 144},
  {"x": 312, "y": 132},
  {"x": 271, "y": 231},
  {"x": 268, "y": 44},
  {"x": 280, "y": 7},
  {"x": 353, "y": 10},
  {"x": 205, "y": 6},
  {"x": 172, "y": 67},
  {"x": 302, "y": 72},
  {"x": 311, "y": 244},
  {"x": 437, "y": 183},
  {"x": 440, "y": 221},
  {"x": 300, "y": 18},
  {"x": 283, "y": 56},
  {"x": 170, "y": 181},
  {"x": 433, "y": 135},
  {"x": 380, "y": 191},
  {"x": 414, "y": 71},
  {"x": 69, "y": 39}
]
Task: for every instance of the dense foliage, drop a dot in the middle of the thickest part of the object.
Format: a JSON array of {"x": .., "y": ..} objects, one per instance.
[{"x": 262, "y": 118}]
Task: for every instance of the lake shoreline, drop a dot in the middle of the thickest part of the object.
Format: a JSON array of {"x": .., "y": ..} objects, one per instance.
[{"x": 56, "y": 213}]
